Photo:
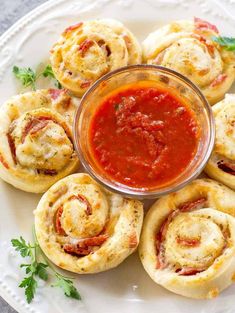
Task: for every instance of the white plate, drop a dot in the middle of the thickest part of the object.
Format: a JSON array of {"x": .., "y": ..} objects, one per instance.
[{"x": 127, "y": 288}]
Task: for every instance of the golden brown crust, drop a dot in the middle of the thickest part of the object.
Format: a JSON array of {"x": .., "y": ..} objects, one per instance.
[
  {"x": 210, "y": 256},
  {"x": 113, "y": 223},
  {"x": 183, "y": 47},
  {"x": 90, "y": 49},
  {"x": 222, "y": 162},
  {"x": 36, "y": 139}
]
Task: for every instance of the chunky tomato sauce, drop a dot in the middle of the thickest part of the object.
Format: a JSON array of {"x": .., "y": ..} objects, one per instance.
[{"x": 143, "y": 136}]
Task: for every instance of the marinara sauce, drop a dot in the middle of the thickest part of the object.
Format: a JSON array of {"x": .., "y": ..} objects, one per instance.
[{"x": 143, "y": 136}]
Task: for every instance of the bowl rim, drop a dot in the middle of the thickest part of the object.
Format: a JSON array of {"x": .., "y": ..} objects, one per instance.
[{"x": 138, "y": 193}]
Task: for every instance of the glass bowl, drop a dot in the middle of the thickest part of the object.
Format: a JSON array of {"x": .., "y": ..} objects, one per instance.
[{"x": 169, "y": 80}]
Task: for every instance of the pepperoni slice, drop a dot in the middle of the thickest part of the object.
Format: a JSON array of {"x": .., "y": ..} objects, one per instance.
[
  {"x": 160, "y": 237},
  {"x": 219, "y": 80},
  {"x": 12, "y": 147},
  {"x": 74, "y": 250},
  {"x": 47, "y": 172},
  {"x": 187, "y": 271},
  {"x": 4, "y": 162},
  {"x": 58, "y": 226},
  {"x": 84, "y": 246},
  {"x": 72, "y": 27},
  {"x": 55, "y": 93},
  {"x": 85, "y": 46},
  {"x": 204, "y": 25},
  {"x": 188, "y": 242},
  {"x": 227, "y": 167},
  {"x": 86, "y": 84},
  {"x": 209, "y": 45},
  {"x": 39, "y": 126},
  {"x": 133, "y": 241},
  {"x": 193, "y": 205},
  {"x": 85, "y": 201},
  {"x": 93, "y": 241},
  {"x": 34, "y": 125}
]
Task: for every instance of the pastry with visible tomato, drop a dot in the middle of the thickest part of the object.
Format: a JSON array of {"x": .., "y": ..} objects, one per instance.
[
  {"x": 188, "y": 240},
  {"x": 221, "y": 165},
  {"x": 88, "y": 50},
  {"x": 192, "y": 48},
  {"x": 36, "y": 146},
  {"x": 83, "y": 228}
]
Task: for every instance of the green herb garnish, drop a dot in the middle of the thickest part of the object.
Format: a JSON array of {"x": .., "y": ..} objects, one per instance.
[
  {"x": 26, "y": 75},
  {"x": 67, "y": 286},
  {"x": 36, "y": 269},
  {"x": 48, "y": 72},
  {"x": 227, "y": 42},
  {"x": 32, "y": 269}
]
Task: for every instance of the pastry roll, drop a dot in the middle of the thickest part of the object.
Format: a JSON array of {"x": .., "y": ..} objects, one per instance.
[
  {"x": 221, "y": 165},
  {"x": 188, "y": 240},
  {"x": 36, "y": 147},
  {"x": 187, "y": 47},
  {"x": 83, "y": 228},
  {"x": 90, "y": 49}
]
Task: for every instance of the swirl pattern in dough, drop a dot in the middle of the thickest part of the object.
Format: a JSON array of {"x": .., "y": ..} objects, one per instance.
[
  {"x": 221, "y": 165},
  {"x": 188, "y": 240},
  {"x": 83, "y": 228},
  {"x": 36, "y": 147},
  {"x": 187, "y": 47},
  {"x": 90, "y": 49}
]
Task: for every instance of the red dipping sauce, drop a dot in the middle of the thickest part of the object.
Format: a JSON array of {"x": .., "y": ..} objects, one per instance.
[{"x": 143, "y": 136}]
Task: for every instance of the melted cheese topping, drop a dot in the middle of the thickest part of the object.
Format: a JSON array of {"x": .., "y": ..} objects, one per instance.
[
  {"x": 105, "y": 233},
  {"x": 197, "y": 247},
  {"x": 224, "y": 149},
  {"x": 202, "y": 226},
  {"x": 93, "y": 48},
  {"x": 75, "y": 220},
  {"x": 225, "y": 127},
  {"x": 48, "y": 148},
  {"x": 190, "y": 51},
  {"x": 35, "y": 141}
]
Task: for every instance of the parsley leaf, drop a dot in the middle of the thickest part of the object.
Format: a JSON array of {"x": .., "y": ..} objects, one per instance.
[
  {"x": 41, "y": 271},
  {"x": 26, "y": 75},
  {"x": 227, "y": 42},
  {"x": 35, "y": 269},
  {"x": 67, "y": 286},
  {"x": 48, "y": 72},
  {"x": 32, "y": 269},
  {"x": 30, "y": 285},
  {"x": 21, "y": 246},
  {"x": 58, "y": 84}
]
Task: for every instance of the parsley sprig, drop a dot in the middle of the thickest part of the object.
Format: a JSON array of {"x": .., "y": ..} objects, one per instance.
[
  {"x": 48, "y": 72},
  {"x": 66, "y": 284},
  {"x": 227, "y": 42},
  {"x": 28, "y": 77},
  {"x": 38, "y": 270}
]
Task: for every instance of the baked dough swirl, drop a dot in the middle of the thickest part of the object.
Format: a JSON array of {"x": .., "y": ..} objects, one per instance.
[
  {"x": 83, "y": 228},
  {"x": 221, "y": 165},
  {"x": 90, "y": 49},
  {"x": 36, "y": 147},
  {"x": 188, "y": 240},
  {"x": 187, "y": 47}
]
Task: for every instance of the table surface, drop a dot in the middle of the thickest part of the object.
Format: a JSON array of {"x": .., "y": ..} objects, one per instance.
[{"x": 11, "y": 11}]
